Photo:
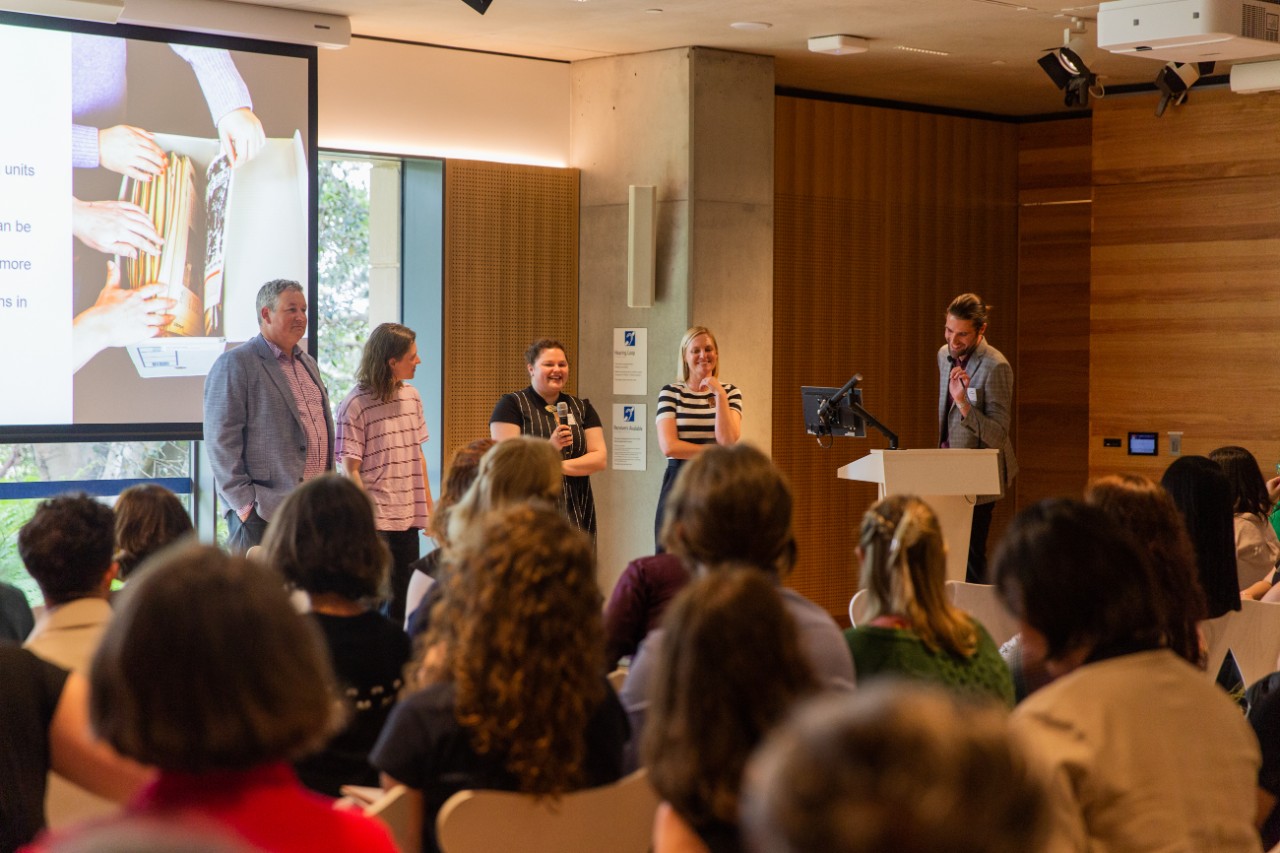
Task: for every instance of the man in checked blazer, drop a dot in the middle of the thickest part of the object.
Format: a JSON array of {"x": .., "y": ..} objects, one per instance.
[
  {"x": 975, "y": 404},
  {"x": 267, "y": 423}
]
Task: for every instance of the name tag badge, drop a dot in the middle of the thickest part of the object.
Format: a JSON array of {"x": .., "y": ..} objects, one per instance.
[{"x": 973, "y": 395}]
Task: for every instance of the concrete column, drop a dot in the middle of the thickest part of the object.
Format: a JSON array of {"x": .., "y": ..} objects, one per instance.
[{"x": 698, "y": 124}]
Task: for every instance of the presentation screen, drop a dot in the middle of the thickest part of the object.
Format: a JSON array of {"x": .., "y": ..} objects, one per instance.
[{"x": 150, "y": 182}]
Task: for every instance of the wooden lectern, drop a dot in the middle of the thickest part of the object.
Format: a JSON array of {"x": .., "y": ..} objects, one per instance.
[{"x": 948, "y": 480}]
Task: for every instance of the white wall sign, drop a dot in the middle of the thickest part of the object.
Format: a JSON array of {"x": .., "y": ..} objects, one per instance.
[
  {"x": 630, "y": 362},
  {"x": 629, "y": 440}
]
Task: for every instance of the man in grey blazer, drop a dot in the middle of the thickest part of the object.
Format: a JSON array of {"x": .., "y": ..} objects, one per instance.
[
  {"x": 267, "y": 423},
  {"x": 975, "y": 405}
]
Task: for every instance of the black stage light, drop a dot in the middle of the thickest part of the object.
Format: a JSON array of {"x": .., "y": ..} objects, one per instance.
[
  {"x": 1069, "y": 73},
  {"x": 480, "y": 6}
]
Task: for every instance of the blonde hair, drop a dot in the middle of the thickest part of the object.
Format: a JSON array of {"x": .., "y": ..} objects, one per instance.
[
  {"x": 515, "y": 470},
  {"x": 682, "y": 369},
  {"x": 904, "y": 567}
]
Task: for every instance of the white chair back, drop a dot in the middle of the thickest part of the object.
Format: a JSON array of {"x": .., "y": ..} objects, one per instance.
[
  {"x": 395, "y": 810},
  {"x": 1252, "y": 635},
  {"x": 982, "y": 602},
  {"x": 617, "y": 818}
]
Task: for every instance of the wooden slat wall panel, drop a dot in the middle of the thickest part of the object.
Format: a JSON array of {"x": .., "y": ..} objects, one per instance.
[
  {"x": 1186, "y": 276},
  {"x": 1055, "y": 190},
  {"x": 511, "y": 276},
  {"x": 881, "y": 218}
]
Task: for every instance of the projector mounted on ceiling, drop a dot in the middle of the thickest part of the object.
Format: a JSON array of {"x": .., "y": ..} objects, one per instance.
[{"x": 1190, "y": 30}]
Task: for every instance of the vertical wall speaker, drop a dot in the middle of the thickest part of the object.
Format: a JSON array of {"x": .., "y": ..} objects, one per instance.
[{"x": 642, "y": 245}]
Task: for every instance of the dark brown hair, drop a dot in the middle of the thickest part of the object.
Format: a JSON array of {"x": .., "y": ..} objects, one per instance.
[
  {"x": 1071, "y": 573},
  {"x": 1248, "y": 489},
  {"x": 895, "y": 766},
  {"x": 386, "y": 341},
  {"x": 324, "y": 538},
  {"x": 1149, "y": 514},
  {"x": 1202, "y": 493},
  {"x": 730, "y": 504},
  {"x": 148, "y": 517},
  {"x": 206, "y": 666},
  {"x": 67, "y": 545},
  {"x": 520, "y": 629},
  {"x": 536, "y": 349},
  {"x": 728, "y": 670},
  {"x": 970, "y": 307}
]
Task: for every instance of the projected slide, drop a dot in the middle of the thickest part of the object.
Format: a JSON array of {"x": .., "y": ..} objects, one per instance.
[{"x": 147, "y": 190}]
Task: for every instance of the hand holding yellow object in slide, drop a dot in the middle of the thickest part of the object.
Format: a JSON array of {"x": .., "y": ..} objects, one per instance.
[
  {"x": 115, "y": 227},
  {"x": 119, "y": 317}
]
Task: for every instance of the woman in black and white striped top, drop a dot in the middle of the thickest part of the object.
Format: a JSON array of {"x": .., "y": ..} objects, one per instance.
[{"x": 694, "y": 412}]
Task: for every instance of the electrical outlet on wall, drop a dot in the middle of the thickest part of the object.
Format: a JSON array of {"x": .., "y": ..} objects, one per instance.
[{"x": 1175, "y": 443}]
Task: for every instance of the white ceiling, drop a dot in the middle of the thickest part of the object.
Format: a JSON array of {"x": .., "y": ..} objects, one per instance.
[{"x": 992, "y": 44}]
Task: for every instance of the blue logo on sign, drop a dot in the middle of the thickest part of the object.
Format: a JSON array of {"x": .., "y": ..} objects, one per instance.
[
  {"x": 629, "y": 337},
  {"x": 629, "y": 414}
]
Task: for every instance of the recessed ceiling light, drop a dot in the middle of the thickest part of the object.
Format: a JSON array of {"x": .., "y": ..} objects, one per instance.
[
  {"x": 751, "y": 25},
  {"x": 922, "y": 50}
]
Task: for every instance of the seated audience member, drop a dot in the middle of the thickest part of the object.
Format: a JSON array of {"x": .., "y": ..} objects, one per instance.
[
  {"x": 1202, "y": 494},
  {"x": 67, "y": 546},
  {"x": 514, "y": 471},
  {"x": 902, "y": 767},
  {"x": 148, "y": 518},
  {"x": 516, "y": 698},
  {"x": 16, "y": 618},
  {"x": 638, "y": 601},
  {"x": 711, "y": 709},
  {"x": 324, "y": 540},
  {"x": 1257, "y": 548},
  {"x": 209, "y": 674},
  {"x": 44, "y": 726},
  {"x": 1264, "y": 716},
  {"x": 730, "y": 504},
  {"x": 1142, "y": 752},
  {"x": 148, "y": 835},
  {"x": 1147, "y": 512},
  {"x": 463, "y": 468},
  {"x": 911, "y": 629}
]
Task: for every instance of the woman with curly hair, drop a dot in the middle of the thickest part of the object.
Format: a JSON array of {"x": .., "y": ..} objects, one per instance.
[
  {"x": 710, "y": 710},
  {"x": 515, "y": 699},
  {"x": 1150, "y": 515},
  {"x": 911, "y": 629}
]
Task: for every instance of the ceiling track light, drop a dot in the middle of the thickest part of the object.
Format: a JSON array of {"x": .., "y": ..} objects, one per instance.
[
  {"x": 1175, "y": 79},
  {"x": 1069, "y": 73},
  {"x": 480, "y": 6}
]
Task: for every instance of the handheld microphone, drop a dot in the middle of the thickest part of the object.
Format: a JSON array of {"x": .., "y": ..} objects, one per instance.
[{"x": 562, "y": 415}]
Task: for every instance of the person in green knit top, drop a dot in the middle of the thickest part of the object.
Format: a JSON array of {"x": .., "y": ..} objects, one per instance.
[{"x": 911, "y": 629}]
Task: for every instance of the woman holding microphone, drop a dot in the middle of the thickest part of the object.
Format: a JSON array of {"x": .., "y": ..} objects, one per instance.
[
  {"x": 694, "y": 412},
  {"x": 544, "y": 410}
]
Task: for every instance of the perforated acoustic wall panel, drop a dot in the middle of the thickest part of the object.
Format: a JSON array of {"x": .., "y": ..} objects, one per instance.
[
  {"x": 1055, "y": 187},
  {"x": 511, "y": 276},
  {"x": 881, "y": 218}
]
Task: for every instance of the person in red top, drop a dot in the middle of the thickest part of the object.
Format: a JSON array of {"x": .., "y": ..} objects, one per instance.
[{"x": 208, "y": 674}]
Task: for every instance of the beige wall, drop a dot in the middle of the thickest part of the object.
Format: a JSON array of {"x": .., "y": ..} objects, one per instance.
[{"x": 413, "y": 100}]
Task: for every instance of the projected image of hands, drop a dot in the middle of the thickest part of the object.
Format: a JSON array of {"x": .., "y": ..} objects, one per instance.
[{"x": 147, "y": 192}]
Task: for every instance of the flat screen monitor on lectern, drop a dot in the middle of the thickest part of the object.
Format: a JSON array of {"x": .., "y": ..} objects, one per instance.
[{"x": 841, "y": 419}]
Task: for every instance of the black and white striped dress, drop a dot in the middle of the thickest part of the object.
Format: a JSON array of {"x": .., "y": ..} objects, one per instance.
[
  {"x": 695, "y": 416},
  {"x": 527, "y": 410}
]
